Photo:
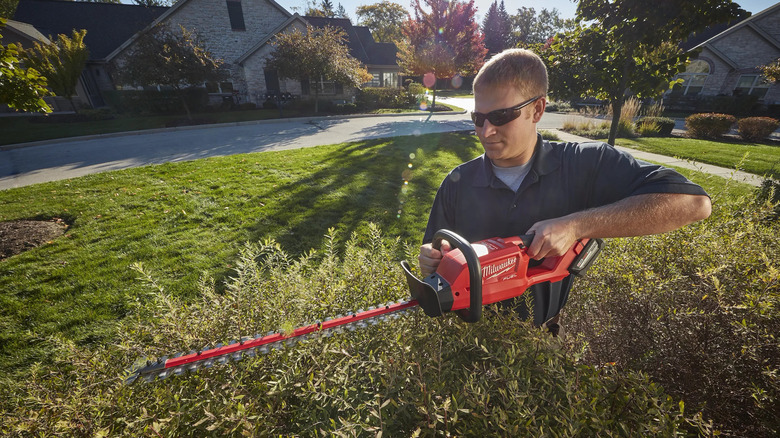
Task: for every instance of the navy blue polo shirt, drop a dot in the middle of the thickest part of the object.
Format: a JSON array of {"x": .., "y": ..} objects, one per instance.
[{"x": 564, "y": 178}]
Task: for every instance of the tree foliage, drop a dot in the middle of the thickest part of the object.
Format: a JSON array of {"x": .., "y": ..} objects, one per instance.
[
  {"x": 530, "y": 28},
  {"x": 320, "y": 53},
  {"x": 628, "y": 48},
  {"x": 20, "y": 88},
  {"x": 174, "y": 59},
  {"x": 385, "y": 20},
  {"x": 497, "y": 28},
  {"x": 61, "y": 62},
  {"x": 443, "y": 42},
  {"x": 772, "y": 70}
]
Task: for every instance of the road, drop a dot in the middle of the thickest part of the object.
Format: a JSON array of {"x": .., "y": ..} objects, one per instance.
[
  {"x": 63, "y": 159},
  {"x": 23, "y": 165}
]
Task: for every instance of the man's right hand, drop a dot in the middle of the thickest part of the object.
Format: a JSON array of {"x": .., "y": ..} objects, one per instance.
[{"x": 429, "y": 257}]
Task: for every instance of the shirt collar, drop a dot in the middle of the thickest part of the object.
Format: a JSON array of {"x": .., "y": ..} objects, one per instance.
[{"x": 544, "y": 162}]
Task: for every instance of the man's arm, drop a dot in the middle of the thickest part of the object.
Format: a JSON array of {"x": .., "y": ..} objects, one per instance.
[{"x": 637, "y": 215}]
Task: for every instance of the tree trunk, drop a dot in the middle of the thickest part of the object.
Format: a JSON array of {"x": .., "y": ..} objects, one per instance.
[{"x": 617, "y": 106}]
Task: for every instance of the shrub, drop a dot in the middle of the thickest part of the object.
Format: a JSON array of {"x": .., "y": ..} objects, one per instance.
[
  {"x": 709, "y": 125},
  {"x": 757, "y": 128},
  {"x": 374, "y": 98},
  {"x": 247, "y": 106},
  {"x": 695, "y": 309},
  {"x": 769, "y": 195},
  {"x": 157, "y": 102},
  {"x": 665, "y": 125},
  {"x": 648, "y": 128},
  {"x": 406, "y": 377}
]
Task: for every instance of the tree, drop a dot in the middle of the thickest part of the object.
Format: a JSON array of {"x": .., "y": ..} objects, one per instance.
[
  {"x": 175, "y": 59},
  {"x": 319, "y": 54},
  {"x": 149, "y": 3},
  {"x": 442, "y": 43},
  {"x": 497, "y": 28},
  {"x": 385, "y": 20},
  {"x": 61, "y": 62},
  {"x": 771, "y": 70},
  {"x": 20, "y": 88},
  {"x": 532, "y": 29},
  {"x": 324, "y": 9},
  {"x": 628, "y": 47}
]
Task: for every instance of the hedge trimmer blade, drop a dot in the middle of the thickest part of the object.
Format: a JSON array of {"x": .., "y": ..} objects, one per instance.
[
  {"x": 249, "y": 347},
  {"x": 467, "y": 278}
]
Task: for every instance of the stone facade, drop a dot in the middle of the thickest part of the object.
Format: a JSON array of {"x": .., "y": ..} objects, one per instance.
[{"x": 734, "y": 57}]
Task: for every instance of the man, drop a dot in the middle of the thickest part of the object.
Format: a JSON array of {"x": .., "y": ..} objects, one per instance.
[{"x": 560, "y": 192}]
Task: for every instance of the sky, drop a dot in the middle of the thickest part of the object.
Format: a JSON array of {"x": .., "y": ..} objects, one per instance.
[{"x": 566, "y": 8}]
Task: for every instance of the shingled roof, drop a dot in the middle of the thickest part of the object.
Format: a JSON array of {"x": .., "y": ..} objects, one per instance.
[
  {"x": 108, "y": 25},
  {"x": 361, "y": 43}
]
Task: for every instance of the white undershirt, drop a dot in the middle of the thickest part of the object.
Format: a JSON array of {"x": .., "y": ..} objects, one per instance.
[{"x": 513, "y": 176}]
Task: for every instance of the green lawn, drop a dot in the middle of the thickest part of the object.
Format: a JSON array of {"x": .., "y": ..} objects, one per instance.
[
  {"x": 188, "y": 220},
  {"x": 759, "y": 159}
]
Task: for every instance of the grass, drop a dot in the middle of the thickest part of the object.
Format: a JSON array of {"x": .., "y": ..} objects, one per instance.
[
  {"x": 756, "y": 158},
  {"x": 184, "y": 221}
]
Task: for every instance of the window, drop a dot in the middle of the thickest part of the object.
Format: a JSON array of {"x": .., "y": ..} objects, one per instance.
[
  {"x": 222, "y": 87},
  {"x": 236, "y": 15},
  {"x": 694, "y": 77},
  {"x": 390, "y": 79},
  {"x": 326, "y": 86},
  {"x": 374, "y": 82},
  {"x": 751, "y": 85}
]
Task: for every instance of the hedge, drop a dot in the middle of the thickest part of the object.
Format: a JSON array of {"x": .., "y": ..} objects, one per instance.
[{"x": 709, "y": 125}]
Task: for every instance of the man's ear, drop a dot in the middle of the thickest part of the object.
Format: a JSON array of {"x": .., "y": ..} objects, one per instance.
[{"x": 539, "y": 107}]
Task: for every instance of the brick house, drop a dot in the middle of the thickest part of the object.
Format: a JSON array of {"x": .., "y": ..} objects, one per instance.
[
  {"x": 237, "y": 31},
  {"x": 726, "y": 74}
]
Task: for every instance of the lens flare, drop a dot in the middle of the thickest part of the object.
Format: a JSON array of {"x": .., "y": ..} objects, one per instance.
[
  {"x": 457, "y": 81},
  {"x": 429, "y": 80}
]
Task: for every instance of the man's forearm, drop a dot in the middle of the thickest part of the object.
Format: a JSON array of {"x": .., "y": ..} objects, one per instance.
[
  {"x": 633, "y": 216},
  {"x": 641, "y": 215}
]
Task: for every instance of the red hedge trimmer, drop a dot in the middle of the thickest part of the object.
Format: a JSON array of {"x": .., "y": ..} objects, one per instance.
[{"x": 468, "y": 277}]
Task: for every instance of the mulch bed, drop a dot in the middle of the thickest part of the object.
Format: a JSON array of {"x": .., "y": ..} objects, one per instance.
[{"x": 19, "y": 236}]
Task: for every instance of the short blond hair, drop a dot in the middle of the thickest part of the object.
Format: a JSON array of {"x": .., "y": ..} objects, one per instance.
[{"x": 520, "y": 68}]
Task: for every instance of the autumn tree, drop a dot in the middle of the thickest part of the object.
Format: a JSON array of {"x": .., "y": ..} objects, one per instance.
[
  {"x": 771, "y": 70},
  {"x": 318, "y": 54},
  {"x": 61, "y": 62},
  {"x": 20, "y": 87},
  {"x": 326, "y": 9},
  {"x": 385, "y": 20},
  {"x": 169, "y": 58},
  {"x": 442, "y": 42},
  {"x": 497, "y": 28},
  {"x": 628, "y": 48}
]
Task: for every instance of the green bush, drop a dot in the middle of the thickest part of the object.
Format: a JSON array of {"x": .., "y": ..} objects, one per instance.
[
  {"x": 756, "y": 128},
  {"x": 374, "y": 98},
  {"x": 157, "y": 102},
  {"x": 709, "y": 125},
  {"x": 664, "y": 125},
  {"x": 414, "y": 376},
  {"x": 769, "y": 195},
  {"x": 695, "y": 309}
]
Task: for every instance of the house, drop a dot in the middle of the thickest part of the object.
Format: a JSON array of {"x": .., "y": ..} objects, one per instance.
[
  {"x": 108, "y": 26},
  {"x": 237, "y": 31},
  {"x": 726, "y": 75}
]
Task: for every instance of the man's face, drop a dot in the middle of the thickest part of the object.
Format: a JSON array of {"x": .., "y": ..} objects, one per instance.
[{"x": 511, "y": 144}]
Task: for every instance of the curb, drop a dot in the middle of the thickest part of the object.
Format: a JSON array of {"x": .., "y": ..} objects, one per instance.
[{"x": 10, "y": 147}]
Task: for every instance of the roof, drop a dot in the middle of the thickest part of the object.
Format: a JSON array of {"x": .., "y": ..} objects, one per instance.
[
  {"x": 749, "y": 22},
  {"x": 108, "y": 25},
  {"x": 360, "y": 41}
]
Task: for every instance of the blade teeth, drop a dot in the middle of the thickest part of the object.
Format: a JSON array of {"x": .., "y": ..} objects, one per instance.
[
  {"x": 179, "y": 370},
  {"x": 238, "y": 355}
]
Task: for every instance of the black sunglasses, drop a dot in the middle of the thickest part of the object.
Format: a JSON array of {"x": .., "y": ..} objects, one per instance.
[{"x": 501, "y": 116}]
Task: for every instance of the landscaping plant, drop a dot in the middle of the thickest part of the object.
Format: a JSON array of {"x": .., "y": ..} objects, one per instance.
[
  {"x": 415, "y": 376},
  {"x": 709, "y": 125},
  {"x": 756, "y": 128},
  {"x": 697, "y": 311}
]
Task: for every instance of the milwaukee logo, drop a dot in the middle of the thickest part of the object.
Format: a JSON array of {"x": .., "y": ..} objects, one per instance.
[{"x": 498, "y": 269}]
